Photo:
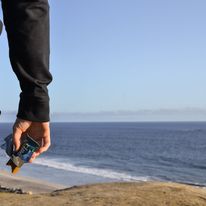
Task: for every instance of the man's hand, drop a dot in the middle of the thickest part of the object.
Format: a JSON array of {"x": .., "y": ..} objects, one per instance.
[{"x": 39, "y": 131}]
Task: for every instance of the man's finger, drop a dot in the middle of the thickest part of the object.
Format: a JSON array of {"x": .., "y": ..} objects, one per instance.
[
  {"x": 33, "y": 157},
  {"x": 44, "y": 148},
  {"x": 46, "y": 142}
]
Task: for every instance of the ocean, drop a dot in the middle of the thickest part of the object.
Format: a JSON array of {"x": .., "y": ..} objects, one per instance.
[{"x": 83, "y": 153}]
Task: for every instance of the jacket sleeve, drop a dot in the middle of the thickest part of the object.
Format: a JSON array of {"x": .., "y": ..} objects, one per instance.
[{"x": 27, "y": 26}]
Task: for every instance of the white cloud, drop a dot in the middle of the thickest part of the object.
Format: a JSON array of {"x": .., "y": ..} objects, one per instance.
[
  {"x": 184, "y": 114},
  {"x": 166, "y": 114}
]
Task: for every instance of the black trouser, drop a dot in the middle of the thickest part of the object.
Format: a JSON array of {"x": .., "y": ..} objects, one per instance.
[{"x": 27, "y": 26}]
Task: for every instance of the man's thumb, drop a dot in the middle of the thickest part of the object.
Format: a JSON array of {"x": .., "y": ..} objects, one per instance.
[
  {"x": 19, "y": 127},
  {"x": 17, "y": 138}
]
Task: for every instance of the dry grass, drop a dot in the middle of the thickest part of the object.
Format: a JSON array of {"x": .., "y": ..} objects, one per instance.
[{"x": 114, "y": 194}]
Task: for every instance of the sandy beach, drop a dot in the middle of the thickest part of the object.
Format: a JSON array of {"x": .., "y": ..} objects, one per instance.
[
  {"x": 26, "y": 184},
  {"x": 117, "y": 193}
]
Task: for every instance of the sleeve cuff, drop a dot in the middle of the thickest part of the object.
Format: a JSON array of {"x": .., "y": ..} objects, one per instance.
[{"x": 33, "y": 108}]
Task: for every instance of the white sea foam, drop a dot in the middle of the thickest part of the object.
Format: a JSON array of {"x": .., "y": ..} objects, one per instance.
[{"x": 106, "y": 173}]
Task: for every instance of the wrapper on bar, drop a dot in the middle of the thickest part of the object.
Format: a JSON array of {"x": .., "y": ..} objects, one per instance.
[{"x": 23, "y": 155}]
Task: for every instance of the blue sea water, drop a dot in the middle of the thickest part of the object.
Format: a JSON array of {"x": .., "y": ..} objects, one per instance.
[{"x": 98, "y": 152}]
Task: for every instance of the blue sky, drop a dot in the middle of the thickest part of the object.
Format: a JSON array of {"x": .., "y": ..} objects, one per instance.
[{"x": 122, "y": 60}]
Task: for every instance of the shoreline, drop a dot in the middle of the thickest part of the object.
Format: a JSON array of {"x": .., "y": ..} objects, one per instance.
[{"x": 26, "y": 184}]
